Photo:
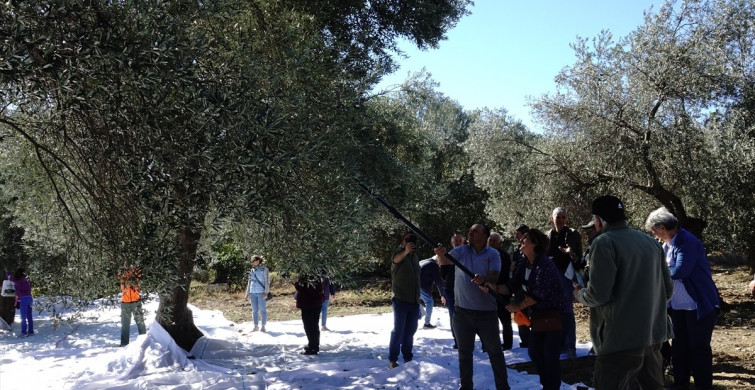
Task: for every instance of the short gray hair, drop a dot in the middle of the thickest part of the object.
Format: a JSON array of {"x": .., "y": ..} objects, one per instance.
[
  {"x": 558, "y": 210},
  {"x": 661, "y": 216}
]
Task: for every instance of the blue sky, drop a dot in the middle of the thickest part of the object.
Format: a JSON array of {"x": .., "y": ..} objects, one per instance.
[{"x": 507, "y": 50}]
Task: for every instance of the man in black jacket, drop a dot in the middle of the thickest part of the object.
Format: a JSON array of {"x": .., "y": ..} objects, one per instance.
[{"x": 566, "y": 251}]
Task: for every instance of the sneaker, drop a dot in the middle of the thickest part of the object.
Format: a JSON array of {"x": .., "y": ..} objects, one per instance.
[
  {"x": 392, "y": 365},
  {"x": 308, "y": 351},
  {"x": 429, "y": 326},
  {"x": 325, "y": 329},
  {"x": 256, "y": 328},
  {"x": 263, "y": 329}
]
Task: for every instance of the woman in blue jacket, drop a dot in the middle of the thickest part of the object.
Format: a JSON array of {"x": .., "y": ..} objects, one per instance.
[
  {"x": 257, "y": 289},
  {"x": 694, "y": 306}
]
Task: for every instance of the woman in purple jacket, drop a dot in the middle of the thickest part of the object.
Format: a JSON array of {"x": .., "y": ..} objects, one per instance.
[
  {"x": 309, "y": 298},
  {"x": 23, "y": 294}
]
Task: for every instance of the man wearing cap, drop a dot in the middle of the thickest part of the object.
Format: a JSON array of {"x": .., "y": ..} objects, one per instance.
[{"x": 627, "y": 294}]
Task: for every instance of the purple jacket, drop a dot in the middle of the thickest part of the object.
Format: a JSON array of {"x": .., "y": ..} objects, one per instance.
[
  {"x": 309, "y": 296},
  {"x": 23, "y": 287},
  {"x": 543, "y": 284}
]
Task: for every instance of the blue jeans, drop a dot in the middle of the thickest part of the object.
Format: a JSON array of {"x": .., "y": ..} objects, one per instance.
[
  {"x": 428, "y": 299},
  {"x": 324, "y": 312},
  {"x": 544, "y": 350},
  {"x": 27, "y": 322},
  {"x": 405, "y": 317},
  {"x": 467, "y": 324},
  {"x": 569, "y": 330},
  {"x": 691, "y": 354},
  {"x": 259, "y": 307}
]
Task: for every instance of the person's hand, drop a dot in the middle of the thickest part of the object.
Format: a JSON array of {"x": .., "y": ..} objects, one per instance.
[
  {"x": 752, "y": 288},
  {"x": 515, "y": 307},
  {"x": 264, "y": 296},
  {"x": 577, "y": 287},
  {"x": 478, "y": 279},
  {"x": 409, "y": 248},
  {"x": 443, "y": 300},
  {"x": 439, "y": 250},
  {"x": 566, "y": 249},
  {"x": 487, "y": 287}
]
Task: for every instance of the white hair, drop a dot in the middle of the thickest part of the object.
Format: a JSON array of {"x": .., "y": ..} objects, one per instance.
[
  {"x": 557, "y": 210},
  {"x": 661, "y": 216}
]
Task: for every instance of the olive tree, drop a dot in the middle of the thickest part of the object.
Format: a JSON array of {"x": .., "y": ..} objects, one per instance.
[
  {"x": 143, "y": 118},
  {"x": 644, "y": 117}
]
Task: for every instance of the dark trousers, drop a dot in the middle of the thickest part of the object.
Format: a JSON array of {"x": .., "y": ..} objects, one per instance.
[
  {"x": 467, "y": 324},
  {"x": 405, "y": 320},
  {"x": 508, "y": 332},
  {"x": 569, "y": 323},
  {"x": 691, "y": 354},
  {"x": 524, "y": 336},
  {"x": 544, "y": 350},
  {"x": 450, "y": 302},
  {"x": 127, "y": 310},
  {"x": 310, "y": 316},
  {"x": 638, "y": 368}
]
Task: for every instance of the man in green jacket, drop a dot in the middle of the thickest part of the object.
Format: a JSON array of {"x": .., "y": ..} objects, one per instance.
[
  {"x": 405, "y": 272},
  {"x": 628, "y": 289}
]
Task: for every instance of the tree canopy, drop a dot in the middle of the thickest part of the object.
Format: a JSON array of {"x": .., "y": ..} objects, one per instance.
[{"x": 141, "y": 118}]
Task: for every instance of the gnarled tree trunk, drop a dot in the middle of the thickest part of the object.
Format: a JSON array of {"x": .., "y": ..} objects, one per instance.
[{"x": 173, "y": 313}]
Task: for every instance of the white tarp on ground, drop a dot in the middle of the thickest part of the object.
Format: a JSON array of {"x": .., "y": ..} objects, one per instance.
[{"x": 86, "y": 355}]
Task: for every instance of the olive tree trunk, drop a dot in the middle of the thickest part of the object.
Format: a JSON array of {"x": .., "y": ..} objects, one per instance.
[{"x": 173, "y": 313}]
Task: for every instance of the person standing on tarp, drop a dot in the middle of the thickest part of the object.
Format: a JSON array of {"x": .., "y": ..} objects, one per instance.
[
  {"x": 257, "y": 288},
  {"x": 131, "y": 303},
  {"x": 7, "y": 303},
  {"x": 23, "y": 294}
]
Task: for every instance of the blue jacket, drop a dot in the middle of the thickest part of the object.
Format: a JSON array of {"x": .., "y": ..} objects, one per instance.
[
  {"x": 259, "y": 284},
  {"x": 688, "y": 263}
]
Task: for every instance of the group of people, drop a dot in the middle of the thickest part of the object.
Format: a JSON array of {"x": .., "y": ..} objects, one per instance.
[
  {"x": 131, "y": 303},
  {"x": 642, "y": 292}
]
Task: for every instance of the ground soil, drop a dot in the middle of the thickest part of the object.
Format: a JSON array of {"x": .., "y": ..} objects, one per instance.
[{"x": 733, "y": 345}]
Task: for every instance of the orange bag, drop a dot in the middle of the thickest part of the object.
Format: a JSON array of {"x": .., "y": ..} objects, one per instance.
[{"x": 521, "y": 319}]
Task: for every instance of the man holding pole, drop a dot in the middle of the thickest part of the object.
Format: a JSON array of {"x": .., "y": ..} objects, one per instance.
[
  {"x": 405, "y": 273},
  {"x": 476, "y": 311}
]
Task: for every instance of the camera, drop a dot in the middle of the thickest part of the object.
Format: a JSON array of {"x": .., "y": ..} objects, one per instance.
[{"x": 411, "y": 239}]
